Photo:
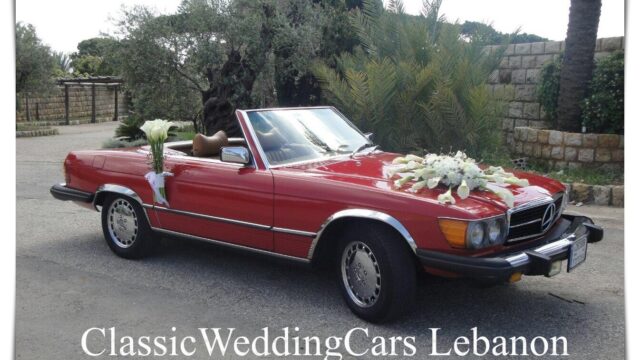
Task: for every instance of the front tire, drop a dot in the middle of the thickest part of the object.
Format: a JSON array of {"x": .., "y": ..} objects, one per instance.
[
  {"x": 125, "y": 227},
  {"x": 376, "y": 272}
]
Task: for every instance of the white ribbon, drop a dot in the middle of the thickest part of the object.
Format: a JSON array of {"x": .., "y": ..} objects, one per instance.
[{"x": 156, "y": 181}]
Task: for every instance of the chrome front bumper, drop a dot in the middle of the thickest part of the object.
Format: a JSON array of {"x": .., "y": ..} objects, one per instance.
[{"x": 536, "y": 258}]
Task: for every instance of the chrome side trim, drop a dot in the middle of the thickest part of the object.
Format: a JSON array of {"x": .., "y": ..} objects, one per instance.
[
  {"x": 213, "y": 218},
  {"x": 364, "y": 214},
  {"x": 122, "y": 190},
  {"x": 118, "y": 189},
  {"x": 294, "y": 232},
  {"x": 231, "y": 245},
  {"x": 233, "y": 221}
]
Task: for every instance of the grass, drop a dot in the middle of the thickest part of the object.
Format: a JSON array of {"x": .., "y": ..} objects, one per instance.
[
  {"x": 184, "y": 135},
  {"x": 581, "y": 175},
  {"x": 30, "y": 126},
  {"x": 112, "y": 143}
]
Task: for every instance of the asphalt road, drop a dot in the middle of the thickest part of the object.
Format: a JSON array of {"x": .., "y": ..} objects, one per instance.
[{"x": 69, "y": 281}]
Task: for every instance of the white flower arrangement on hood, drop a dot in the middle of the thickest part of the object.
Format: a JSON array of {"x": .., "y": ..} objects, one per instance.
[{"x": 458, "y": 171}]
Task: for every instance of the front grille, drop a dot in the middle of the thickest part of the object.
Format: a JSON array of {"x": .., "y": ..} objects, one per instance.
[{"x": 526, "y": 223}]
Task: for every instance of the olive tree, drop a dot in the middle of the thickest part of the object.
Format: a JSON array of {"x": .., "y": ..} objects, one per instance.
[
  {"x": 214, "y": 56},
  {"x": 34, "y": 62}
]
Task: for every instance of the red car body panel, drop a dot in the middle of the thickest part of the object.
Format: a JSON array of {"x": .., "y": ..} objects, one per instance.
[{"x": 299, "y": 198}]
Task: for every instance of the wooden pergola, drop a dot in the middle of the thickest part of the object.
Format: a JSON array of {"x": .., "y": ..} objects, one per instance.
[{"x": 108, "y": 81}]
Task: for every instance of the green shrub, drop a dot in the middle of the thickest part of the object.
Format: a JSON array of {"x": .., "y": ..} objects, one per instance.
[
  {"x": 113, "y": 143},
  {"x": 415, "y": 84},
  {"x": 603, "y": 109},
  {"x": 129, "y": 128},
  {"x": 549, "y": 88}
]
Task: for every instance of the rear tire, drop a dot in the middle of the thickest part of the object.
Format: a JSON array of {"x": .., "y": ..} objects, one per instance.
[
  {"x": 376, "y": 273},
  {"x": 125, "y": 227}
]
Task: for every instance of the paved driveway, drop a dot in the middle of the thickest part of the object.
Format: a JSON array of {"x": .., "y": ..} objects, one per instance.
[{"x": 69, "y": 281}]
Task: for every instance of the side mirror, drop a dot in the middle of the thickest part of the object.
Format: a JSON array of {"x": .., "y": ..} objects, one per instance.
[
  {"x": 369, "y": 136},
  {"x": 235, "y": 155}
]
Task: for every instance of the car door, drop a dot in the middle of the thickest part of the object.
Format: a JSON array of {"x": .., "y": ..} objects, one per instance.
[{"x": 220, "y": 201}]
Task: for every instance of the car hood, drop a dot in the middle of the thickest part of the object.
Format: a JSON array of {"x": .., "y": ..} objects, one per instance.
[{"x": 369, "y": 171}]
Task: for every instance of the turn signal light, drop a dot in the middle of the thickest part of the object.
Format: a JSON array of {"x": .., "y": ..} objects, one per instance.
[
  {"x": 515, "y": 277},
  {"x": 455, "y": 231}
]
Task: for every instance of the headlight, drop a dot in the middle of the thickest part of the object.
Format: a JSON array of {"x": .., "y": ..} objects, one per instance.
[
  {"x": 496, "y": 230},
  {"x": 474, "y": 234}
]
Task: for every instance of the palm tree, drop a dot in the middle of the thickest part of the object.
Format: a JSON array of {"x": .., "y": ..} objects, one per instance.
[
  {"x": 577, "y": 63},
  {"x": 62, "y": 62},
  {"x": 414, "y": 82}
]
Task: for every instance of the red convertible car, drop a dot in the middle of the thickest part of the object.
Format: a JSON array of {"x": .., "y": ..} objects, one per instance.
[{"x": 305, "y": 184}]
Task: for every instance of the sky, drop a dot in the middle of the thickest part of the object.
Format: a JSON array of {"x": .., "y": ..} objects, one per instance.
[{"x": 62, "y": 24}]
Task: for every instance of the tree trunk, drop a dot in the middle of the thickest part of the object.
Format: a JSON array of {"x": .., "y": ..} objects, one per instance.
[
  {"x": 578, "y": 63},
  {"x": 225, "y": 95}
]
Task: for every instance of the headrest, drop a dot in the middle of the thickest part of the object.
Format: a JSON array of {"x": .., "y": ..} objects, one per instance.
[
  {"x": 271, "y": 140},
  {"x": 204, "y": 146}
]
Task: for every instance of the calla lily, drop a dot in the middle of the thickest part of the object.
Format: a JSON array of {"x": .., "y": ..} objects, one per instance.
[
  {"x": 458, "y": 172},
  {"x": 446, "y": 198},
  {"x": 504, "y": 194},
  {"x": 507, "y": 197},
  {"x": 402, "y": 181},
  {"x": 406, "y": 159},
  {"x": 420, "y": 173},
  {"x": 433, "y": 182},
  {"x": 413, "y": 165},
  {"x": 419, "y": 185},
  {"x": 515, "y": 181},
  {"x": 463, "y": 190},
  {"x": 412, "y": 157},
  {"x": 156, "y": 130}
]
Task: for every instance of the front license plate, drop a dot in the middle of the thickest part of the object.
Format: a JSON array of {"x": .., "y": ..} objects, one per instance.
[{"x": 577, "y": 253}]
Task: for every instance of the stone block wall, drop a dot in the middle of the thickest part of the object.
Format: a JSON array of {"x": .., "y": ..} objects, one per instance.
[
  {"x": 518, "y": 74},
  {"x": 572, "y": 150},
  {"x": 50, "y": 108}
]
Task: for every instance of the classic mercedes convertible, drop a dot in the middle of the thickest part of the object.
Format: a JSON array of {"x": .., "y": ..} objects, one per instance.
[{"x": 306, "y": 185}]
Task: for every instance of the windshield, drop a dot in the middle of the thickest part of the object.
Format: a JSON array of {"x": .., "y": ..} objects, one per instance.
[{"x": 293, "y": 135}]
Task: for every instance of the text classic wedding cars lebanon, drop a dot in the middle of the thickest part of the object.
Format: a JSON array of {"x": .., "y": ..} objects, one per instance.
[{"x": 289, "y": 342}]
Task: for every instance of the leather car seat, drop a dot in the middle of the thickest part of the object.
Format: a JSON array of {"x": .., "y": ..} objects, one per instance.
[
  {"x": 207, "y": 146},
  {"x": 272, "y": 143}
]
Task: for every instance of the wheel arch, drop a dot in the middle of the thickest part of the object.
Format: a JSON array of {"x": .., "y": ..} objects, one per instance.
[
  {"x": 105, "y": 189},
  {"x": 326, "y": 238}
]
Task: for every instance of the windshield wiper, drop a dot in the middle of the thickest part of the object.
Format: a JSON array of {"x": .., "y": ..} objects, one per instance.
[{"x": 362, "y": 147}]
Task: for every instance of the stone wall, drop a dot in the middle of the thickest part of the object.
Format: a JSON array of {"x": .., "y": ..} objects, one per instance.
[
  {"x": 518, "y": 74},
  {"x": 572, "y": 150},
  {"x": 50, "y": 109}
]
